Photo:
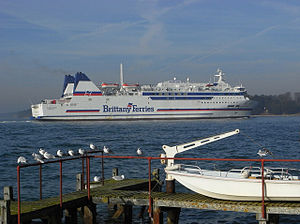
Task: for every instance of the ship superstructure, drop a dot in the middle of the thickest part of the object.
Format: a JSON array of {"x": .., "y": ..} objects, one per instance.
[{"x": 174, "y": 99}]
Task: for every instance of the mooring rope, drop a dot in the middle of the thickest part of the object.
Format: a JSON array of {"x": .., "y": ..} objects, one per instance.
[
  {"x": 261, "y": 146},
  {"x": 255, "y": 142}
]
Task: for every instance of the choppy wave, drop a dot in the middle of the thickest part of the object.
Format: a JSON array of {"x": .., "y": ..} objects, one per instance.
[{"x": 14, "y": 121}]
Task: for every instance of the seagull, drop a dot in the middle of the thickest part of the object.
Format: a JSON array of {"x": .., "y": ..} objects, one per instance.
[
  {"x": 81, "y": 151},
  {"x": 97, "y": 178},
  {"x": 93, "y": 147},
  {"x": 47, "y": 155},
  {"x": 42, "y": 151},
  {"x": 71, "y": 152},
  {"x": 139, "y": 152},
  {"x": 106, "y": 150},
  {"x": 122, "y": 177},
  {"x": 264, "y": 152},
  {"x": 22, "y": 160},
  {"x": 37, "y": 157},
  {"x": 59, "y": 153}
]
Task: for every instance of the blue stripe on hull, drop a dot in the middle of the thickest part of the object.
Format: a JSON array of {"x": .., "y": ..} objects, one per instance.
[
  {"x": 204, "y": 109},
  {"x": 83, "y": 111},
  {"x": 180, "y": 98}
]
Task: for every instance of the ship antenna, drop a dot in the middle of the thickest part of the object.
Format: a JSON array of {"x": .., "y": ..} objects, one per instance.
[{"x": 121, "y": 75}]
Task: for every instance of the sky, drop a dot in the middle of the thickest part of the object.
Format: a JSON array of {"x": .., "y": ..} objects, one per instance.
[{"x": 255, "y": 42}]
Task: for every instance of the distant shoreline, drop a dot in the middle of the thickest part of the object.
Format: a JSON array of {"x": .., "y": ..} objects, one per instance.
[{"x": 275, "y": 115}]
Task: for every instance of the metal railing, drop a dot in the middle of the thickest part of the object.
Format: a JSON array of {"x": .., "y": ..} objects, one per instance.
[
  {"x": 149, "y": 159},
  {"x": 60, "y": 161}
]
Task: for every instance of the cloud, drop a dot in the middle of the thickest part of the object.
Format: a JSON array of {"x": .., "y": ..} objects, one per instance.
[
  {"x": 142, "y": 32},
  {"x": 154, "y": 31},
  {"x": 285, "y": 7},
  {"x": 230, "y": 45},
  {"x": 42, "y": 16},
  {"x": 101, "y": 29},
  {"x": 154, "y": 35},
  {"x": 144, "y": 35}
]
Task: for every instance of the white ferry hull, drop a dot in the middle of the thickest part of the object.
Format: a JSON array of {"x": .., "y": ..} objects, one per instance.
[{"x": 135, "y": 108}]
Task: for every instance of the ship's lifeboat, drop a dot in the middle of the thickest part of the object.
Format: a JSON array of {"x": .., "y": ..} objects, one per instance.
[
  {"x": 211, "y": 84},
  {"x": 109, "y": 85},
  {"x": 130, "y": 86}
]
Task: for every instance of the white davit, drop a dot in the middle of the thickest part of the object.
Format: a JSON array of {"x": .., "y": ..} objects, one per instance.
[{"x": 83, "y": 100}]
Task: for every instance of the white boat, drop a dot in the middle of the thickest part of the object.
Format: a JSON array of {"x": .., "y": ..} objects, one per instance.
[
  {"x": 83, "y": 100},
  {"x": 240, "y": 184},
  {"x": 280, "y": 184}
]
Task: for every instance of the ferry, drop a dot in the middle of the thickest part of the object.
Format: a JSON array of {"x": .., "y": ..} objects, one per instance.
[{"x": 82, "y": 99}]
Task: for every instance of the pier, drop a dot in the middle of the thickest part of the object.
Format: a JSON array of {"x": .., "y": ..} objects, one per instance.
[{"x": 124, "y": 194}]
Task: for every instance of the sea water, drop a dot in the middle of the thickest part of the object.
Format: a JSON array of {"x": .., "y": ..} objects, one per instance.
[{"x": 279, "y": 134}]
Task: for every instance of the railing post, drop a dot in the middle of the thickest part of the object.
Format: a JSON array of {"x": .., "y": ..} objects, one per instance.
[
  {"x": 115, "y": 172},
  {"x": 41, "y": 193},
  {"x": 19, "y": 195},
  {"x": 263, "y": 210},
  {"x": 82, "y": 178},
  {"x": 149, "y": 186},
  {"x": 87, "y": 168},
  {"x": 60, "y": 183},
  {"x": 8, "y": 193},
  {"x": 88, "y": 177},
  {"x": 79, "y": 182},
  {"x": 102, "y": 169}
]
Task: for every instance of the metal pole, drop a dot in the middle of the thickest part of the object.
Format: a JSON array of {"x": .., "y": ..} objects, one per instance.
[
  {"x": 82, "y": 178},
  {"x": 60, "y": 182},
  {"x": 19, "y": 195},
  {"x": 149, "y": 187},
  {"x": 88, "y": 177},
  {"x": 87, "y": 168},
  {"x": 263, "y": 211},
  {"x": 102, "y": 169},
  {"x": 41, "y": 193}
]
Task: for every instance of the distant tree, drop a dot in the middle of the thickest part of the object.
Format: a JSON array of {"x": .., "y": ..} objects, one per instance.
[
  {"x": 297, "y": 97},
  {"x": 276, "y": 104}
]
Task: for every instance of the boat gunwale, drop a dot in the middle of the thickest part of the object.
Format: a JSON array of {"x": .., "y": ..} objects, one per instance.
[{"x": 241, "y": 179}]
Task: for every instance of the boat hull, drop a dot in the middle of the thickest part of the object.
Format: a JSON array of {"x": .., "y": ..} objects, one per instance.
[
  {"x": 239, "y": 189},
  {"x": 134, "y": 108}
]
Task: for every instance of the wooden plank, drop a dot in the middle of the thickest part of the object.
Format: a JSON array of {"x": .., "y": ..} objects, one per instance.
[
  {"x": 121, "y": 192},
  {"x": 194, "y": 201}
]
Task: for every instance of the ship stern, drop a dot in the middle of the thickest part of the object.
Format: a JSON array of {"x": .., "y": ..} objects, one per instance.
[{"x": 37, "y": 111}]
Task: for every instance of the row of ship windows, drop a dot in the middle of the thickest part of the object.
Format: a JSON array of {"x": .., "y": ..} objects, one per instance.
[
  {"x": 191, "y": 94},
  {"x": 214, "y": 97},
  {"x": 217, "y": 102},
  {"x": 228, "y": 97},
  {"x": 211, "y": 99},
  {"x": 193, "y": 98},
  {"x": 75, "y": 104}
]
